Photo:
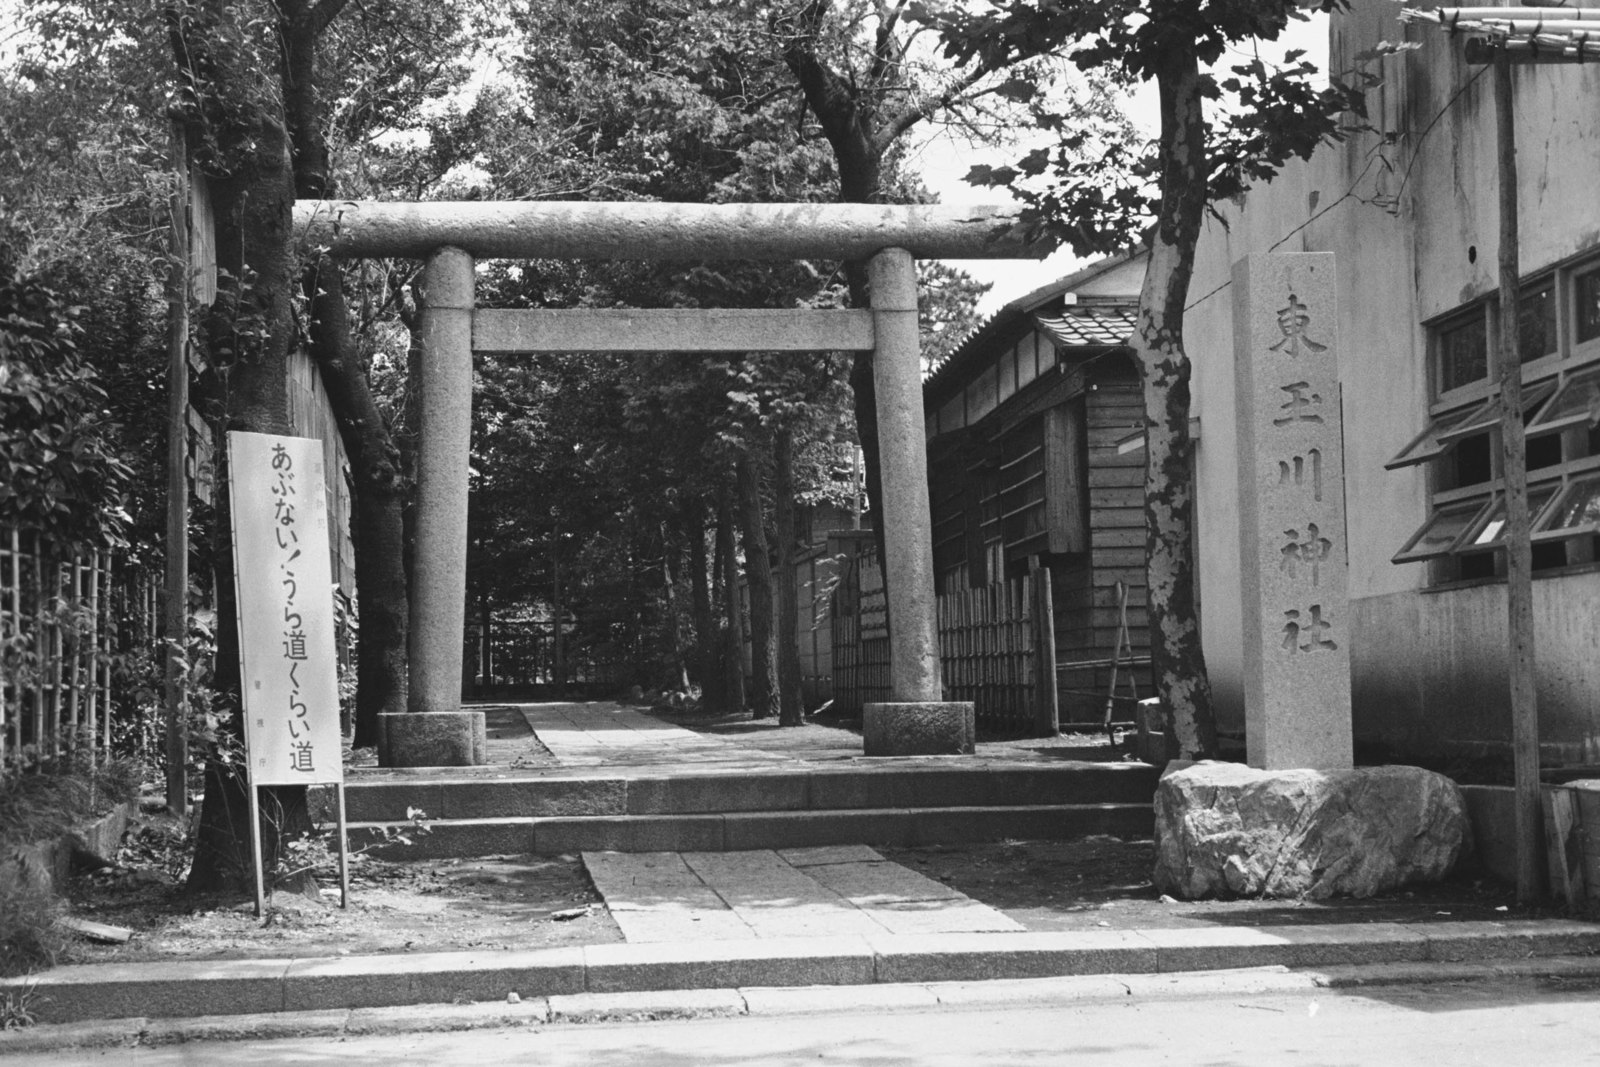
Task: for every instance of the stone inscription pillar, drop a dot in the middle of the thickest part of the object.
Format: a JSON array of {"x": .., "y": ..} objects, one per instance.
[
  {"x": 917, "y": 721},
  {"x": 434, "y": 731},
  {"x": 1293, "y": 558}
]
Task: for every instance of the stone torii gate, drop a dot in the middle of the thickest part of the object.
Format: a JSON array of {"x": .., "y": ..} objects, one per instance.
[{"x": 450, "y": 237}]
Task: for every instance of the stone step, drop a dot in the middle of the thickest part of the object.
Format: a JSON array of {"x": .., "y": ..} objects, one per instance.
[
  {"x": 750, "y": 789},
  {"x": 743, "y": 830}
]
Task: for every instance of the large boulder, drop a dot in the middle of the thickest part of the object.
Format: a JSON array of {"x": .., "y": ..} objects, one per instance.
[{"x": 1227, "y": 830}]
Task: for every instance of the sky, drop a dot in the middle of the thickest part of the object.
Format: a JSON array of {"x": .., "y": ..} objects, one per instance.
[{"x": 945, "y": 160}]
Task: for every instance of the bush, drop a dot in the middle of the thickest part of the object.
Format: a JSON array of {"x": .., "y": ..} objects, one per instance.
[
  {"x": 29, "y": 937},
  {"x": 40, "y": 807}
]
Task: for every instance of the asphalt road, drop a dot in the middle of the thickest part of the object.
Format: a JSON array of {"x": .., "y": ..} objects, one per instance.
[{"x": 1502, "y": 1023}]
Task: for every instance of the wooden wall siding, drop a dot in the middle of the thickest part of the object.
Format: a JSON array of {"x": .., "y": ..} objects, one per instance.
[
  {"x": 311, "y": 415},
  {"x": 987, "y": 641},
  {"x": 947, "y": 497},
  {"x": 1021, "y": 485},
  {"x": 1086, "y": 598},
  {"x": 1066, "y": 477}
]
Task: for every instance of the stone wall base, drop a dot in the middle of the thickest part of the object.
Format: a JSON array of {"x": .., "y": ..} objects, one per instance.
[
  {"x": 432, "y": 739},
  {"x": 927, "y": 728}
]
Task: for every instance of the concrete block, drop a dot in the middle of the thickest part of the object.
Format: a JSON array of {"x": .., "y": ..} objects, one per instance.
[
  {"x": 944, "y": 787},
  {"x": 729, "y": 964},
  {"x": 982, "y": 957},
  {"x": 468, "y": 837},
  {"x": 629, "y": 833},
  {"x": 1063, "y": 822},
  {"x": 717, "y": 793},
  {"x": 431, "y": 978},
  {"x": 1460, "y": 941},
  {"x": 156, "y": 990},
  {"x": 844, "y": 789},
  {"x": 923, "y": 728},
  {"x": 536, "y": 798},
  {"x": 827, "y": 1000},
  {"x": 802, "y": 829},
  {"x": 443, "y": 1018},
  {"x": 1209, "y": 948},
  {"x": 54, "y": 1038},
  {"x": 433, "y": 739},
  {"x": 269, "y": 1026},
  {"x": 1316, "y": 946},
  {"x": 651, "y": 1005},
  {"x": 680, "y": 924},
  {"x": 1031, "y": 991},
  {"x": 824, "y": 855},
  {"x": 1074, "y": 783},
  {"x": 387, "y": 801},
  {"x": 1243, "y": 982}
]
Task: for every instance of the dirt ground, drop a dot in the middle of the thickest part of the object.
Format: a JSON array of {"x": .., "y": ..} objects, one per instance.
[
  {"x": 522, "y": 902},
  {"x": 424, "y": 906}
]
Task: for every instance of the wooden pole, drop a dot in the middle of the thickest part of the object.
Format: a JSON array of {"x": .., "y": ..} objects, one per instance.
[
  {"x": 1519, "y": 551},
  {"x": 177, "y": 568}
]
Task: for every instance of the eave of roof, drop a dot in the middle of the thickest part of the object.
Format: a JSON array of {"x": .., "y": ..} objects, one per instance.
[{"x": 976, "y": 341}]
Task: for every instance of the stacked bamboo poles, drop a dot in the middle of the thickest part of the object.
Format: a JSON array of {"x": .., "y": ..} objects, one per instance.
[{"x": 1572, "y": 33}]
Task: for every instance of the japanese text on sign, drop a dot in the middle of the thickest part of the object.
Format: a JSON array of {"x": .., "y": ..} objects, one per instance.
[{"x": 286, "y": 623}]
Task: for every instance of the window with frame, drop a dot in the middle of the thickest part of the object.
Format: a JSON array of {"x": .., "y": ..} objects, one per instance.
[{"x": 1559, "y": 341}]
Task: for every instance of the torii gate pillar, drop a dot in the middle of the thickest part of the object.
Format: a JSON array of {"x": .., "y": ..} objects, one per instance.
[
  {"x": 435, "y": 731},
  {"x": 916, "y": 720}
]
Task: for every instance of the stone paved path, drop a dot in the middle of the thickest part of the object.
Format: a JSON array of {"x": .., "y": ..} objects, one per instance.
[
  {"x": 592, "y": 735},
  {"x": 806, "y": 892}
]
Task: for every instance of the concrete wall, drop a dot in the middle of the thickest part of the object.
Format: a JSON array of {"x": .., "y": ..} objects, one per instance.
[{"x": 1414, "y": 226}]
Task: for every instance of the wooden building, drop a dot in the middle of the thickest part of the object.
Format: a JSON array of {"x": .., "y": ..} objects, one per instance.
[{"x": 1036, "y": 460}]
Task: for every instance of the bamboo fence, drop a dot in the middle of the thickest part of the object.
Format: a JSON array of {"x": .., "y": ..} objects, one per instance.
[{"x": 63, "y": 618}]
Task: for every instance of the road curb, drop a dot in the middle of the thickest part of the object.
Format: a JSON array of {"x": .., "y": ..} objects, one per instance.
[
  {"x": 593, "y": 1008},
  {"x": 153, "y": 991}
]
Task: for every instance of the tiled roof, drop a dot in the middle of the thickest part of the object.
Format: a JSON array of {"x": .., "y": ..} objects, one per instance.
[{"x": 1089, "y": 324}]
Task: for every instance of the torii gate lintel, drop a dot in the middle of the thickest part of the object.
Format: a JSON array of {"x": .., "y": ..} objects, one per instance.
[{"x": 434, "y": 730}]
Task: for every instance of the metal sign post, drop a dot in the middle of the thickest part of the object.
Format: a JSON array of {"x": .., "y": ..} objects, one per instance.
[{"x": 283, "y": 579}]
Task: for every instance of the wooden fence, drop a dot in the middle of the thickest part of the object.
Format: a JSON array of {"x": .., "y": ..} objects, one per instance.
[
  {"x": 990, "y": 642},
  {"x": 520, "y": 654},
  {"x": 63, "y": 619}
]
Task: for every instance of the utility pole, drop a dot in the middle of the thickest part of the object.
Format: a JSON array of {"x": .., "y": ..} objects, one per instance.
[{"x": 1519, "y": 549}]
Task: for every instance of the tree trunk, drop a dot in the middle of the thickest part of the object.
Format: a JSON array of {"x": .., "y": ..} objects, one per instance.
[
  {"x": 758, "y": 576},
  {"x": 705, "y": 627},
  {"x": 1176, "y": 652},
  {"x": 733, "y": 632},
  {"x": 674, "y": 617},
  {"x": 378, "y": 483},
  {"x": 843, "y": 109},
  {"x": 558, "y": 656},
  {"x": 791, "y": 700},
  {"x": 247, "y": 334}
]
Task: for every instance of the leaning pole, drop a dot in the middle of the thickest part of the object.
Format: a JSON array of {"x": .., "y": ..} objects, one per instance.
[{"x": 452, "y": 237}]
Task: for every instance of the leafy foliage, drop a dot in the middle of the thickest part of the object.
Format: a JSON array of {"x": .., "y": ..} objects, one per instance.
[
  {"x": 62, "y": 473},
  {"x": 1094, "y": 187}
]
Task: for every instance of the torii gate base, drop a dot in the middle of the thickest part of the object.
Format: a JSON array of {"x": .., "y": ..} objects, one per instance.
[{"x": 435, "y": 731}]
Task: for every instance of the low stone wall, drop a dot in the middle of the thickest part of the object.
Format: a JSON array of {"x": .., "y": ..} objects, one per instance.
[{"x": 50, "y": 862}]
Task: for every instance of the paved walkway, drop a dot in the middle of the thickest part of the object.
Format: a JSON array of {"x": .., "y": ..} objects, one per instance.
[
  {"x": 805, "y": 892},
  {"x": 603, "y": 734}
]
